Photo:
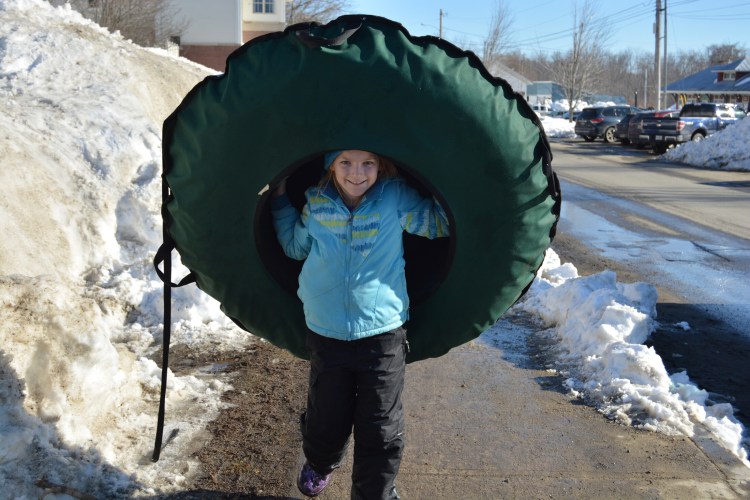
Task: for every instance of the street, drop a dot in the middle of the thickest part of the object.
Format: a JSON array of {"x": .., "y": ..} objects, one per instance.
[{"x": 716, "y": 199}]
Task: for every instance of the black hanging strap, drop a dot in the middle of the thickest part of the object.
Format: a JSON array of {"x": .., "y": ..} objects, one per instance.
[{"x": 164, "y": 255}]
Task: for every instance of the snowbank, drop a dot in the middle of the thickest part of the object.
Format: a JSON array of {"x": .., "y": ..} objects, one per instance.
[
  {"x": 727, "y": 149},
  {"x": 558, "y": 127},
  {"x": 80, "y": 306},
  {"x": 597, "y": 328}
]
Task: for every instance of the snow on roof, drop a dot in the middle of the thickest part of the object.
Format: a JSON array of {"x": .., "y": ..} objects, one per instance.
[{"x": 744, "y": 65}]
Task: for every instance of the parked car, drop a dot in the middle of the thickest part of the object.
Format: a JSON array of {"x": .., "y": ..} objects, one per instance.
[
  {"x": 621, "y": 129},
  {"x": 739, "y": 111},
  {"x": 695, "y": 122},
  {"x": 635, "y": 125},
  {"x": 601, "y": 122}
]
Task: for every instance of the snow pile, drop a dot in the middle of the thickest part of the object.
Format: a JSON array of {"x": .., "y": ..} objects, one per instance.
[
  {"x": 558, "y": 127},
  {"x": 563, "y": 106},
  {"x": 727, "y": 149},
  {"x": 597, "y": 327},
  {"x": 80, "y": 306}
]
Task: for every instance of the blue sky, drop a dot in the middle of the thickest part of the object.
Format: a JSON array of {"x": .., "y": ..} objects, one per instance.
[{"x": 546, "y": 25}]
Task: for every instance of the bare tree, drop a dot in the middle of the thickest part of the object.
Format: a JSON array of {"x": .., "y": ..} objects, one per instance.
[
  {"x": 624, "y": 73},
  {"x": 499, "y": 35},
  {"x": 148, "y": 23},
  {"x": 620, "y": 77},
  {"x": 533, "y": 68},
  {"x": 322, "y": 11},
  {"x": 724, "y": 53},
  {"x": 687, "y": 62},
  {"x": 580, "y": 69}
]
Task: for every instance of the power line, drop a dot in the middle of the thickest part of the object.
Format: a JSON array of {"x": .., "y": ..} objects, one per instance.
[{"x": 623, "y": 18}]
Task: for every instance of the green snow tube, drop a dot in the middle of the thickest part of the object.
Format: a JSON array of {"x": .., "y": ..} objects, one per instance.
[{"x": 360, "y": 82}]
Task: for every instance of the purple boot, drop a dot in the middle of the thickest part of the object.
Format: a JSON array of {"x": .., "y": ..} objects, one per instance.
[{"x": 310, "y": 483}]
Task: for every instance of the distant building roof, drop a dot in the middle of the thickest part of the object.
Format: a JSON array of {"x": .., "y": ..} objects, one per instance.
[
  {"x": 737, "y": 65},
  {"x": 546, "y": 90},
  {"x": 744, "y": 65},
  {"x": 516, "y": 80},
  {"x": 706, "y": 81}
]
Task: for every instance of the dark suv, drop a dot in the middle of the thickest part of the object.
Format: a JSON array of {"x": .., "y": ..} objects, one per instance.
[{"x": 601, "y": 122}]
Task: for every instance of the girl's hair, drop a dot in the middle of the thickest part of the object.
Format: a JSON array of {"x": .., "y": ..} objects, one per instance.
[{"x": 386, "y": 170}]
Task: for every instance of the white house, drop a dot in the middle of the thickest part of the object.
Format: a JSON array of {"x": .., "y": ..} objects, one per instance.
[
  {"x": 215, "y": 28},
  {"x": 262, "y": 16}
]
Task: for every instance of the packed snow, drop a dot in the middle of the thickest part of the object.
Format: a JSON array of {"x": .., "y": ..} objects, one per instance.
[
  {"x": 558, "y": 127},
  {"x": 81, "y": 307},
  {"x": 598, "y": 328},
  {"x": 727, "y": 149}
]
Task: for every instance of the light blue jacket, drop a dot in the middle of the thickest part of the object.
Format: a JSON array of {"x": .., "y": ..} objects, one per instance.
[{"x": 352, "y": 284}]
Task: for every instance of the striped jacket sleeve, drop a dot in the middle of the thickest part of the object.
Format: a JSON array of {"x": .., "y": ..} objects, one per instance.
[
  {"x": 291, "y": 228},
  {"x": 422, "y": 216}
]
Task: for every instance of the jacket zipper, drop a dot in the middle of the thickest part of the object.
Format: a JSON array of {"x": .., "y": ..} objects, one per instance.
[
  {"x": 349, "y": 226},
  {"x": 349, "y": 231}
]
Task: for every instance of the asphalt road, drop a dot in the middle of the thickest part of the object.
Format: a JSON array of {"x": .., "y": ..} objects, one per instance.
[{"x": 716, "y": 199}]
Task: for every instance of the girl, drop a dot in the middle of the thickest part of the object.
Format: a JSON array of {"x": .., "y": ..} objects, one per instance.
[{"x": 353, "y": 291}]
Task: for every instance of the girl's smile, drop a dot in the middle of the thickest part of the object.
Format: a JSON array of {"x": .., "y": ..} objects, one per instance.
[{"x": 355, "y": 172}]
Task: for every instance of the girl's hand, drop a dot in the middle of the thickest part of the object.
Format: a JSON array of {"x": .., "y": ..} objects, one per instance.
[{"x": 280, "y": 189}]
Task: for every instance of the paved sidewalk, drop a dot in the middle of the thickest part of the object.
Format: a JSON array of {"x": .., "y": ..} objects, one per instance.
[{"x": 482, "y": 424}]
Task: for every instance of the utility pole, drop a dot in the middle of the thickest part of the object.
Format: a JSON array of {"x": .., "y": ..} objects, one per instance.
[
  {"x": 441, "y": 23},
  {"x": 657, "y": 58},
  {"x": 666, "y": 81}
]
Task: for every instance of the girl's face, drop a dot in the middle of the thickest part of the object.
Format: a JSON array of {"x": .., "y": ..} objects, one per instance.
[{"x": 355, "y": 172}]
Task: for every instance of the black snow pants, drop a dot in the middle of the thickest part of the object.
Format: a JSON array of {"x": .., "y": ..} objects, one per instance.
[{"x": 357, "y": 384}]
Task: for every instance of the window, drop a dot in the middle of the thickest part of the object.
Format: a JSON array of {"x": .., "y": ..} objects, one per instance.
[
  {"x": 263, "y": 6},
  {"x": 729, "y": 75}
]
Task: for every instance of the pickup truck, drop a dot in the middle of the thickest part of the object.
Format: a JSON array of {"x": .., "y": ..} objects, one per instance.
[{"x": 695, "y": 122}]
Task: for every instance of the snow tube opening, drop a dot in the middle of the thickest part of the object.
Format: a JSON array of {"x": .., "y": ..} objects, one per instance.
[
  {"x": 427, "y": 261},
  {"x": 360, "y": 82}
]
